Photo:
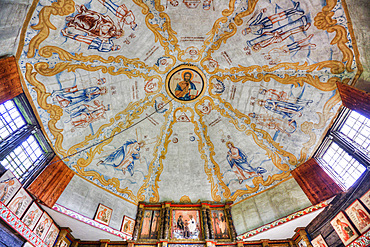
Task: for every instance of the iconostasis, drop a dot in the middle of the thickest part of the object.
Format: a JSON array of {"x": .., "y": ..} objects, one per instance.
[{"x": 184, "y": 223}]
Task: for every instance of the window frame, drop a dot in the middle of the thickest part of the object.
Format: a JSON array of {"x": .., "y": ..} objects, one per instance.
[
  {"x": 14, "y": 140},
  {"x": 354, "y": 150}
]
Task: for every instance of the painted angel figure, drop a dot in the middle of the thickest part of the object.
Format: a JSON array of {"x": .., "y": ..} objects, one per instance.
[
  {"x": 124, "y": 157},
  {"x": 238, "y": 161}
]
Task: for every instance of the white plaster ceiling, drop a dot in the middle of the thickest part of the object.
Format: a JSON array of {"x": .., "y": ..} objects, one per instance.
[{"x": 96, "y": 72}]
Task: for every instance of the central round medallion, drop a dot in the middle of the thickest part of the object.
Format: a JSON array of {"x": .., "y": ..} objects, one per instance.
[{"x": 186, "y": 83}]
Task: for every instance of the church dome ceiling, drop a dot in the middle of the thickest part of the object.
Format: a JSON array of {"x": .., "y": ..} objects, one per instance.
[{"x": 192, "y": 99}]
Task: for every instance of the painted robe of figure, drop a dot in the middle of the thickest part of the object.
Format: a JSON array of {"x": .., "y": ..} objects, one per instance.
[
  {"x": 239, "y": 163},
  {"x": 145, "y": 229},
  {"x": 216, "y": 226},
  {"x": 347, "y": 232},
  {"x": 124, "y": 157},
  {"x": 223, "y": 225},
  {"x": 4, "y": 189},
  {"x": 186, "y": 89},
  {"x": 261, "y": 24},
  {"x": 83, "y": 115},
  {"x": 69, "y": 97},
  {"x": 192, "y": 224},
  {"x": 16, "y": 205},
  {"x": 29, "y": 218},
  {"x": 363, "y": 219}
]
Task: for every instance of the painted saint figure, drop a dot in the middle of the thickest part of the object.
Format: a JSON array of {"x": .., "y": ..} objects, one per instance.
[
  {"x": 50, "y": 237},
  {"x": 186, "y": 89},
  {"x": 216, "y": 225},
  {"x": 154, "y": 226},
  {"x": 16, "y": 204},
  {"x": 29, "y": 218},
  {"x": 41, "y": 227},
  {"x": 99, "y": 29},
  {"x": 180, "y": 223},
  {"x": 4, "y": 189},
  {"x": 362, "y": 217},
  {"x": 125, "y": 16},
  {"x": 192, "y": 224},
  {"x": 124, "y": 157},
  {"x": 279, "y": 34},
  {"x": 145, "y": 229},
  {"x": 290, "y": 22},
  {"x": 346, "y": 230},
  {"x": 126, "y": 227},
  {"x": 240, "y": 165},
  {"x": 83, "y": 115},
  {"x": 275, "y": 54},
  {"x": 186, "y": 233},
  {"x": 68, "y": 97},
  {"x": 259, "y": 25},
  {"x": 286, "y": 109},
  {"x": 223, "y": 225},
  {"x": 287, "y": 126},
  {"x": 103, "y": 215}
]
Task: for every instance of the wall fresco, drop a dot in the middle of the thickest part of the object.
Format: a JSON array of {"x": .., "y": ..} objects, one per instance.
[{"x": 96, "y": 73}]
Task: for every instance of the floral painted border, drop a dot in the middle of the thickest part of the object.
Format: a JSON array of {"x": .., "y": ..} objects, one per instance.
[
  {"x": 90, "y": 222},
  {"x": 282, "y": 220},
  {"x": 15, "y": 223},
  {"x": 362, "y": 241}
]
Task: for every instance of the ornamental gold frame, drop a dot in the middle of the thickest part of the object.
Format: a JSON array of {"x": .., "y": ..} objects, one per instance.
[{"x": 323, "y": 20}]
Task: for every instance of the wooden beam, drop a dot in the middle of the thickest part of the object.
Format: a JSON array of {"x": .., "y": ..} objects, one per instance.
[
  {"x": 315, "y": 182},
  {"x": 10, "y": 83},
  {"x": 50, "y": 184},
  {"x": 355, "y": 99}
]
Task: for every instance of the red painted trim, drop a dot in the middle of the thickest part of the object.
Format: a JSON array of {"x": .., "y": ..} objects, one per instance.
[{"x": 24, "y": 226}]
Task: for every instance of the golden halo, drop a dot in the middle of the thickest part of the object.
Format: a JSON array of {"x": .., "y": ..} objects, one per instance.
[
  {"x": 182, "y": 74},
  {"x": 173, "y": 78}
]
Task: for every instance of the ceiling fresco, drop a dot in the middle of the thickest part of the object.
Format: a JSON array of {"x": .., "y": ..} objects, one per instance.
[{"x": 191, "y": 99}]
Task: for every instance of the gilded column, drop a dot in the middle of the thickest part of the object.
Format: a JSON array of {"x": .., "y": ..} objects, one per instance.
[
  {"x": 230, "y": 221},
  {"x": 302, "y": 232},
  {"x": 163, "y": 221},
  {"x": 63, "y": 233},
  {"x": 75, "y": 243},
  {"x": 265, "y": 242},
  {"x": 104, "y": 242},
  {"x": 139, "y": 216},
  {"x": 167, "y": 221},
  {"x": 211, "y": 231},
  {"x": 205, "y": 222}
]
